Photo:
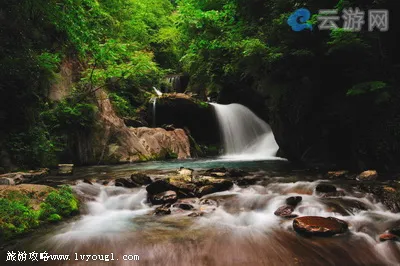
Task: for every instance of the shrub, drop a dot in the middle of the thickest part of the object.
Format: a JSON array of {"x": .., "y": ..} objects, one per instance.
[
  {"x": 16, "y": 218},
  {"x": 61, "y": 202}
]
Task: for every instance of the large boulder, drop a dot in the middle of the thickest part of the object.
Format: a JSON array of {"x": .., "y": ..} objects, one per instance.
[
  {"x": 65, "y": 169},
  {"x": 141, "y": 179},
  {"x": 125, "y": 182},
  {"x": 285, "y": 212},
  {"x": 115, "y": 142},
  {"x": 184, "y": 189},
  {"x": 294, "y": 201},
  {"x": 158, "y": 186},
  {"x": 185, "y": 171},
  {"x": 160, "y": 143},
  {"x": 164, "y": 198},
  {"x": 388, "y": 237},
  {"x": 208, "y": 185},
  {"x": 225, "y": 172},
  {"x": 325, "y": 188},
  {"x": 343, "y": 174},
  {"x": 36, "y": 194},
  {"x": 23, "y": 177},
  {"x": 369, "y": 175},
  {"x": 319, "y": 226},
  {"x": 395, "y": 231},
  {"x": 163, "y": 210}
]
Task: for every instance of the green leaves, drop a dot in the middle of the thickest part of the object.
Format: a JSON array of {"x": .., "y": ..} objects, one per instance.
[{"x": 366, "y": 87}]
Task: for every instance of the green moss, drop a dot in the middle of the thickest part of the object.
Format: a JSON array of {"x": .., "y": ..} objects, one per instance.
[
  {"x": 54, "y": 218},
  {"x": 17, "y": 216},
  {"x": 202, "y": 104},
  {"x": 61, "y": 202}
]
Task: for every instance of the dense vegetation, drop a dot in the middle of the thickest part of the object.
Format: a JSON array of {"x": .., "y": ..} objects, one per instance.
[
  {"x": 18, "y": 216},
  {"x": 329, "y": 95}
]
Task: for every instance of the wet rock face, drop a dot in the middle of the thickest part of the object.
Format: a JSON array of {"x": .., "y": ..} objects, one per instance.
[
  {"x": 123, "y": 182},
  {"x": 87, "y": 181},
  {"x": 319, "y": 226},
  {"x": 196, "y": 214},
  {"x": 185, "y": 171},
  {"x": 164, "y": 198},
  {"x": 184, "y": 206},
  {"x": 141, "y": 179},
  {"x": 163, "y": 210},
  {"x": 65, "y": 169},
  {"x": 389, "y": 197},
  {"x": 325, "y": 188},
  {"x": 224, "y": 172},
  {"x": 388, "y": 237},
  {"x": 285, "y": 212},
  {"x": 368, "y": 175},
  {"x": 184, "y": 189},
  {"x": 23, "y": 177},
  {"x": 246, "y": 181},
  {"x": 395, "y": 231},
  {"x": 205, "y": 190},
  {"x": 338, "y": 174},
  {"x": 158, "y": 186},
  {"x": 294, "y": 201},
  {"x": 212, "y": 185}
]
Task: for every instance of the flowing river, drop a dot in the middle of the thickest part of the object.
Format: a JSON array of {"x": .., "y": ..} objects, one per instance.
[{"x": 238, "y": 226}]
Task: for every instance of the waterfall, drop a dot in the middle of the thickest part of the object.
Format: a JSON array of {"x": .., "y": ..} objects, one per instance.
[
  {"x": 154, "y": 101},
  {"x": 245, "y": 135},
  {"x": 159, "y": 93},
  {"x": 175, "y": 82}
]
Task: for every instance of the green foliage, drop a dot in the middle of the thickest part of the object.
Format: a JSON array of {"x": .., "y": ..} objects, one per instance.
[
  {"x": 69, "y": 115},
  {"x": 366, "y": 87},
  {"x": 122, "y": 106},
  {"x": 61, "y": 202},
  {"x": 15, "y": 218},
  {"x": 36, "y": 147}
]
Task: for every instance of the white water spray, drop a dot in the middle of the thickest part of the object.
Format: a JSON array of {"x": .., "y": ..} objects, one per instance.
[
  {"x": 159, "y": 93},
  {"x": 154, "y": 101},
  {"x": 245, "y": 136}
]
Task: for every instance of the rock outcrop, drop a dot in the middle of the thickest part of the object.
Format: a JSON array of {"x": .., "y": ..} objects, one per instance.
[
  {"x": 319, "y": 226},
  {"x": 114, "y": 142},
  {"x": 23, "y": 177},
  {"x": 368, "y": 175},
  {"x": 183, "y": 111}
]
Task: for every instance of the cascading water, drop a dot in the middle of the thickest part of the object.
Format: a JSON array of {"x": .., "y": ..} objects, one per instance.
[
  {"x": 154, "y": 101},
  {"x": 245, "y": 136},
  {"x": 239, "y": 228},
  {"x": 175, "y": 82}
]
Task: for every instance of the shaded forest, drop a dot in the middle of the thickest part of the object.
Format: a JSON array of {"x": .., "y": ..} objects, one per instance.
[{"x": 331, "y": 97}]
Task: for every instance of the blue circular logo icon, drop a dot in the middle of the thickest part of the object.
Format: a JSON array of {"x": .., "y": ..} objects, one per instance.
[{"x": 298, "y": 20}]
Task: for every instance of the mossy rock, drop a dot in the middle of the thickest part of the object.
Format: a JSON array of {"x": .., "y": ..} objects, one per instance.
[{"x": 25, "y": 207}]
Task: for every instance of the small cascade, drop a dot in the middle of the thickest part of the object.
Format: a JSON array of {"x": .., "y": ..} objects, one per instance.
[
  {"x": 154, "y": 102},
  {"x": 159, "y": 93},
  {"x": 245, "y": 136},
  {"x": 175, "y": 82}
]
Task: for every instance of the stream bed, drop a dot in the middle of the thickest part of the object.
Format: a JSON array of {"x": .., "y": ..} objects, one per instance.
[{"x": 235, "y": 227}]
